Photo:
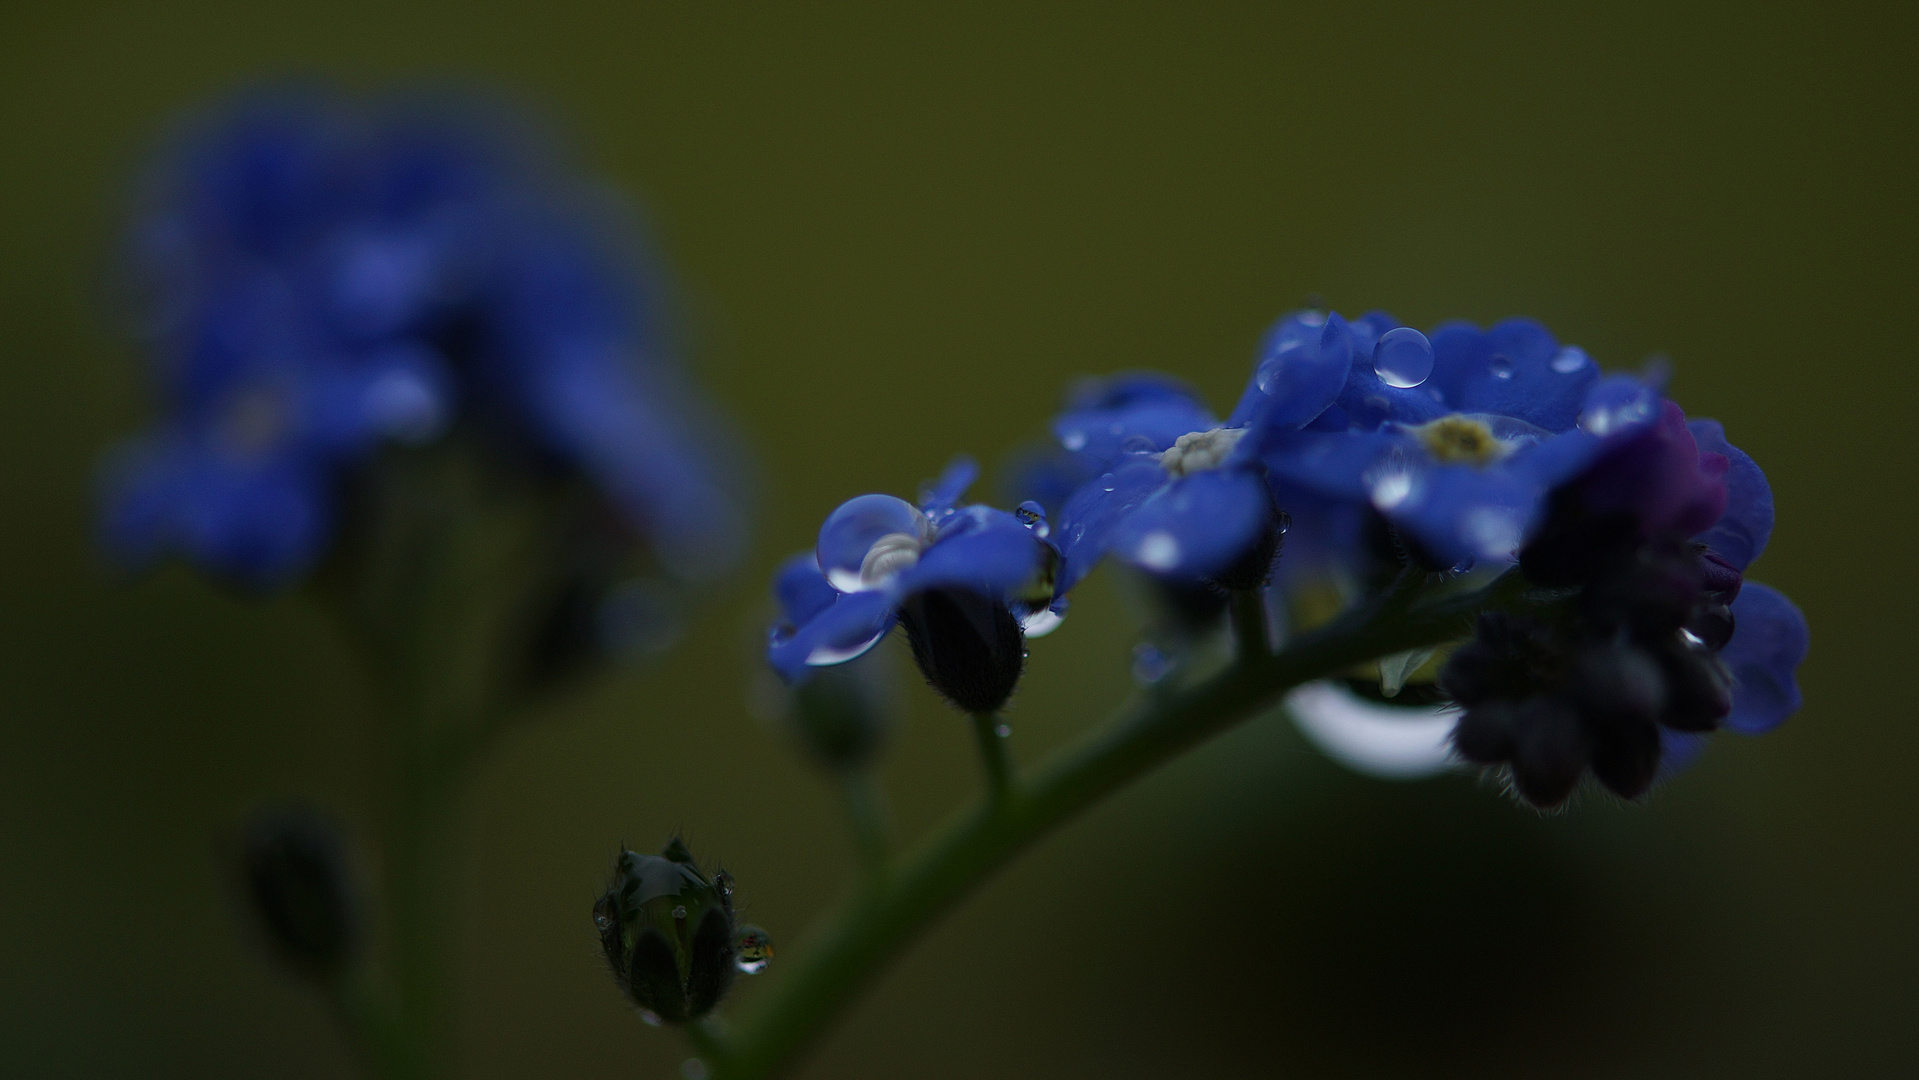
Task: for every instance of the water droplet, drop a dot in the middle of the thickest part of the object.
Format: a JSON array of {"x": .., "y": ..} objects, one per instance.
[
  {"x": 679, "y": 913},
  {"x": 869, "y": 539},
  {"x": 753, "y": 950},
  {"x": 1003, "y": 730},
  {"x": 693, "y": 1069},
  {"x": 1268, "y": 378},
  {"x": 1570, "y": 359},
  {"x": 1394, "y": 669},
  {"x": 1691, "y": 638},
  {"x": 1073, "y": 440},
  {"x": 601, "y": 921},
  {"x": 1391, "y": 489},
  {"x": 1404, "y": 358},
  {"x": 1158, "y": 550},
  {"x": 1501, "y": 366},
  {"x": 1150, "y": 664},
  {"x": 1033, "y": 516},
  {"x": 827, "y": 655},
  {"x": 1041, "y": 623},
  {"x": 1138, "y": 444},
  {"x": 652, "y": 1018},
  {"x": 1107, "y": 482}
]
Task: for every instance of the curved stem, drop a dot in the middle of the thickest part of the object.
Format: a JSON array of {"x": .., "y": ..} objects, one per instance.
[
  {"x": 992, "y": 752},
  {"x": 867, "y": 814},
  {"x": 888, "y": 911}
]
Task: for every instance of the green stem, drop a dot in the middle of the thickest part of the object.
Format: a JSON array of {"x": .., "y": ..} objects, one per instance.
[
  {"x": 1248, "y": 611},
  {"x": 883, "y": 916},
  {"x": 992, "y": 752},
  {"x": 867, "y": 814}
]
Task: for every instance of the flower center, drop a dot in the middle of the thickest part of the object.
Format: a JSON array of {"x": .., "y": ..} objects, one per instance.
[
  {"x": 1460, "y": 440},
  {"x": 1200, "y": 451}
]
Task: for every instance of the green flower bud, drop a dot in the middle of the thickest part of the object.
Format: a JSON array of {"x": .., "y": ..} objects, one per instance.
[
  {"x": 298, "y": 882},
  {"x": 669, "y": 935},
  {"x": 842, "y": 714}
]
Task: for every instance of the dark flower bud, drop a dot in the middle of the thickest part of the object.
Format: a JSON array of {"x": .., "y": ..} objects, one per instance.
[
  {"x": 300, "y": 884},
  {"x": 969, "y": 647},
  {"x": 1625, "y": 757},
  {"x": 1550, "y": 751},
  {"x": 1484, "y": 734},
  {"x": 1617, "y": 686},
  {"x": 668, "y": 933},
  {"x": 1698, "y": 688}
]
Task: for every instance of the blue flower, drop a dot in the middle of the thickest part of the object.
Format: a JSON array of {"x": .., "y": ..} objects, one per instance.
[
  {"x": 968, "y": 581},
  {"x": 317, "y": 279}
]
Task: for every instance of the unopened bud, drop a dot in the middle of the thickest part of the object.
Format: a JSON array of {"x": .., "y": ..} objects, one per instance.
[{"x": 668, "y": 933}]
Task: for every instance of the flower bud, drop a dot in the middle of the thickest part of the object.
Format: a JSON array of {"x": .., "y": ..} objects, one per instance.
[
  {"x": 842, "y": 713},
  {"x": 969, "y": 647},
  {"x": 299, "y": 883},
  {"x": 668, "y": 933}
]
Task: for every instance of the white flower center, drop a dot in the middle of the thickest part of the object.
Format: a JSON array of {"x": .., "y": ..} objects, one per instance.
[{"x": 1200, "y": 451}]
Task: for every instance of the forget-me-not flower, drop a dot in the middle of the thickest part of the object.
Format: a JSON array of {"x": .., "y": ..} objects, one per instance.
[{"x": 316, "y": 278}]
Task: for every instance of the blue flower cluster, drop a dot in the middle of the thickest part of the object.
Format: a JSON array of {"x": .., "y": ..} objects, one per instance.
[
  {"x": 315, "y": 278},
  {"x": 1373, "y": 449}
]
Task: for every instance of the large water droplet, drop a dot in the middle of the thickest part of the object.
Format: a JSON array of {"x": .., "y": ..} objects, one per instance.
[
  {"x": 1150, "y": 663},
  {"x": 1041, "y": 623},
  {"x": 827, "y": 655},
  {"x": 1501, "y": 366},
  {"x": 1570, "y": 359},
  {"x": 1403, "y": 358},
  {"x": 1158, "y": 550},
  {"x": 852, "y": 531}
]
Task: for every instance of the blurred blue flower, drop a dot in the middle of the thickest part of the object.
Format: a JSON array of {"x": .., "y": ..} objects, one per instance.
[
  {"x": 876, "y": 554},
  {"x": 315, "y": 278}
]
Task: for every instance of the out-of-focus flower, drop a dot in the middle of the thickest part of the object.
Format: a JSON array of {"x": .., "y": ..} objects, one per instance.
[
  {"x": 300, "y": 885},
  {"x": 315, "y": 278},
  {"x": 968, "y": 582}
]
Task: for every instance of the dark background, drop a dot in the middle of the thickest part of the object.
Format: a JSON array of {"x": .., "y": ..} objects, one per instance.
[{"x": 899, "y": 234}]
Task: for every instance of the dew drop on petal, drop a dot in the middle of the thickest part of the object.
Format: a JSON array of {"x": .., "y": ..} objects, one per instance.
[
  {"x": 1107, "y": 482},
  {"x": 1041, "y": 623},
  {"x": 852, "y": 532},
  {"x": 1403, "y": 358},
  {"x": 1032, "y": 515},
  {"x": 1570, "y": 359},
  {"x": 1158, "y": 550},
  {"x": 1501, "y": 366},
  {"x": 827, "y": 655}
]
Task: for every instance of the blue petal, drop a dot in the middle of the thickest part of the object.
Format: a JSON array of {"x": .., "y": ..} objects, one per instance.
[
  {"x": 1087, "y": 520},
  {"x": 985, "y": 550},
  {"x": 1768, "y": 642},
  {"x": 1196, "y": 526},
  {"x": 945, "y": 492},
  {"x": 1741, "y": 533},
  {"x": 802, "y": 590},
  {"x": 1368, "y": 402},
  {"x": 1510, "y": 371},
  {"x": 1462, "y": 515},
  {"x": 1101, "y": 437},
  {"x": 1340, "y": 465},
  {"x": 844, "y": 631},
  {"x": 1297, "y": 380}
]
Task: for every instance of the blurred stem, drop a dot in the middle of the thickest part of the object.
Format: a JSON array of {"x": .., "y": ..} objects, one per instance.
[
  {"x": 866, "y": 812},
  {"x": 1248, "y": 610},
  {"x": 876, "y": 922},
  {"x": 992, "y": 752}
]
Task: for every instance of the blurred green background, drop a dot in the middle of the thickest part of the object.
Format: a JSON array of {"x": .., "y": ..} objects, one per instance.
[{"x": 900, "y": 231}]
